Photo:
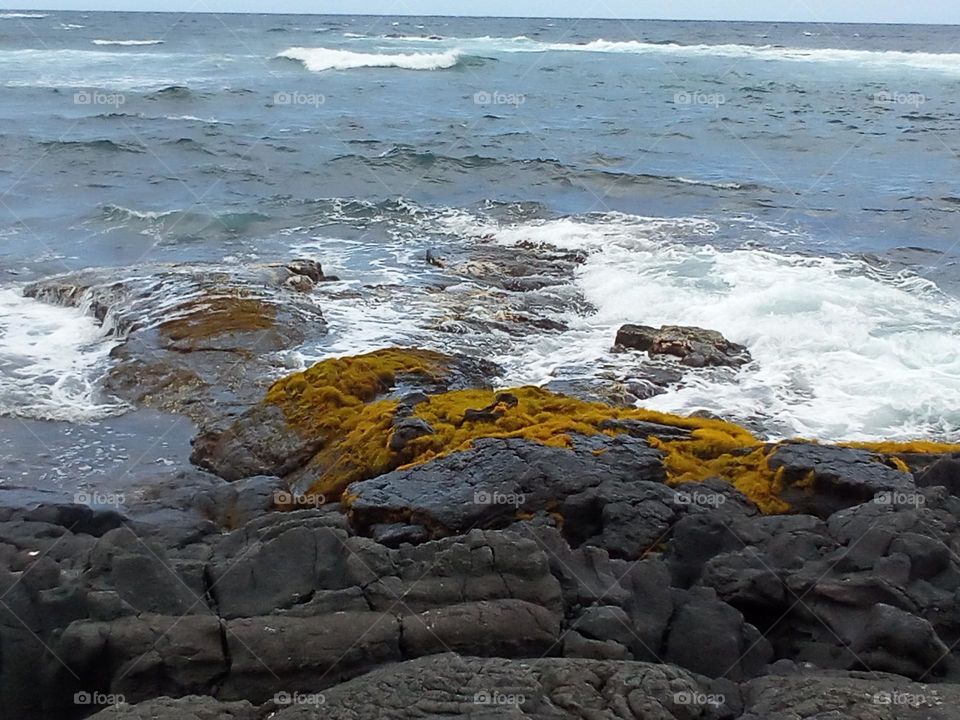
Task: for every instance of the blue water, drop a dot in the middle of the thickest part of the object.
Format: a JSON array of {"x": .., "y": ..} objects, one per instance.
[
  {"x": 795, "y": 186},
  {"x": 802, "y": 143}
]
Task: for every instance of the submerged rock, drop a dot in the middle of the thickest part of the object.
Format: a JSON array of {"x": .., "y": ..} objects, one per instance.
[{"x": 202, "y": 340}]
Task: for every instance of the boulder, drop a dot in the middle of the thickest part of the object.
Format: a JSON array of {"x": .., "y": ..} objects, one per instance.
[{"x": 895, "y": 641}]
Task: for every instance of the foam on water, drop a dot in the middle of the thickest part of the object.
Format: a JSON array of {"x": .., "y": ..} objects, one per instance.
[
  {"x": 127, "y": 42},
  {"x": 50, "y": 360},
  {"x": 22, "y": 16},
  {"x": 320, "y": 59},
  {"x": 841, "y": 350},
  {"x": 888, "y": 59}
]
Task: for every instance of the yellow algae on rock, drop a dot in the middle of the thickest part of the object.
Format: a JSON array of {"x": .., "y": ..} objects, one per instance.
[
  {"x": 343, "y": 403},
  {"x": 325, "y": 398},
  {"x": 910, "y": 447}
]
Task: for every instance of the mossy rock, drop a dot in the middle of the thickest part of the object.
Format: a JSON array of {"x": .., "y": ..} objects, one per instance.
[{"x": 351, "y": 412}]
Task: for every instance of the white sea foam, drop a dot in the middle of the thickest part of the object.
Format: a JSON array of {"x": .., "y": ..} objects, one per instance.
[
  {"x": 320, "y": 59},
  {"x": 50, "y": 360},
  {"x": 888, "y": 59},
  {"x": 127, "y": 42},
  {"x": 841, "y": 350},
  {"x": 22, "y": 16}
]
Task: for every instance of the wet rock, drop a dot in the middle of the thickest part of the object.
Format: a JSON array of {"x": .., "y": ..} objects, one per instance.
[
  {"x": 196, "y": 337},
  {"x": 694, "y": 346}
]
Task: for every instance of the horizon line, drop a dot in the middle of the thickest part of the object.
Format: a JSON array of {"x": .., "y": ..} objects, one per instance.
[{"x": 479, "y": 17}]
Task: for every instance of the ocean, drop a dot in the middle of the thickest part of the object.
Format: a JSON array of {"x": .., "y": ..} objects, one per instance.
[{"x": 793, "y": 186}]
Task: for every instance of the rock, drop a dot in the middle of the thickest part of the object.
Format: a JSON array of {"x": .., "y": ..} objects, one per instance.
[
  {"x": 192, "y": 707},
  {"x": 201, "y": 340},
  {"x": 897, "y": 642},
  {"x": 290, "y": 654},
  {"x": 281, "y": 436},
  {"x": 495, "y": 628},
  {"x": 694, "y": 346},
  {"x": 945, "y": 472},
  {"x": 452, "y": 686},
  {"x": 140, "y": 657},
  {"x": 709, "y": 637},
  {"x": 822, "y": 479},
  {"x": 609, "y": 490},
  {"x": 813, "y": 695}
]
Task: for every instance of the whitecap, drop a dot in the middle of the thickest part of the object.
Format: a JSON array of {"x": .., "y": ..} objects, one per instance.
[
  {"x": 320, "y": 59},
  {"x": 51, "y": 358},
  {"x": 841, "y": 350},
  {"x": 128, "y": 43}
]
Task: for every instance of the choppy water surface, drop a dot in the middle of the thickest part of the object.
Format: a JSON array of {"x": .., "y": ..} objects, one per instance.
[{"x": 793, "y": 186}]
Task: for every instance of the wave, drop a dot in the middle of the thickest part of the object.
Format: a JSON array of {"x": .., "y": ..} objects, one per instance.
[
  {"x": 97, "y": 145},
  {"x": 115, "y": 212},
  {"x": 22, "y": 16},
  {"x": 188, "y": 225},
  {"x": 320, "y": 59},
  {"x": 194, "y": 118},
  {"x": 176, "y": 92},
  {"x": 842, "y": 350},
  {"x": 408, "y": 158},
  {"x": 128, "y": 42},
  {"x": 893, "y": 59},
  {"x": 50, "y": 361}
]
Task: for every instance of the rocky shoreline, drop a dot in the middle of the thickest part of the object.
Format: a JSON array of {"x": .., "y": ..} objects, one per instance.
[{"x": 395, "y": 535}]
